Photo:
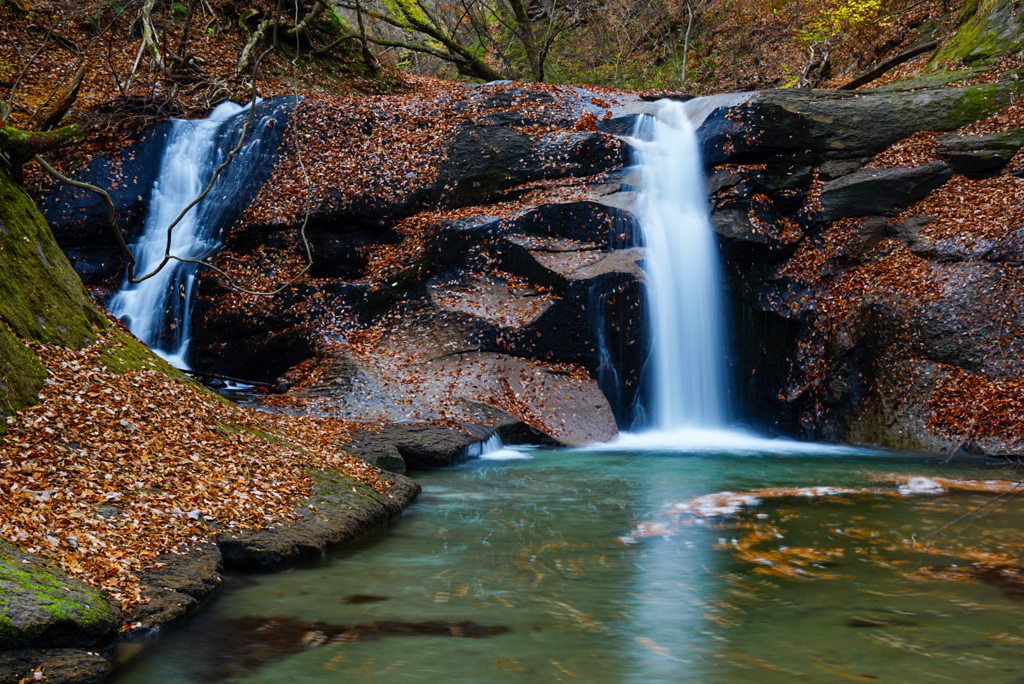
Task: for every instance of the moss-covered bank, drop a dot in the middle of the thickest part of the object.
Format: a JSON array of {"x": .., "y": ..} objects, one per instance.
[{"x": 41, "y": 299}]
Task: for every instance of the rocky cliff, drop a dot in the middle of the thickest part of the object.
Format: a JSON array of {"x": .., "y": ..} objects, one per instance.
[{"x": 472, "y": 251}]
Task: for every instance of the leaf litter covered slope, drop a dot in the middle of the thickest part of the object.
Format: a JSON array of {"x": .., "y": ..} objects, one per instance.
[{"x": 112, "y": 469}]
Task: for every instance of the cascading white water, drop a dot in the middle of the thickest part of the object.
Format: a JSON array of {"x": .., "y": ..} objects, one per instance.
[
  {"x": 158, "y": 310},
  {"x": 684, "y": 283}
]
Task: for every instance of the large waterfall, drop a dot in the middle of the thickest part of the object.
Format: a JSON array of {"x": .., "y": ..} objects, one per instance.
[
  {"x": 159, "y": 309},
  {"x": 688, "y": 374}
]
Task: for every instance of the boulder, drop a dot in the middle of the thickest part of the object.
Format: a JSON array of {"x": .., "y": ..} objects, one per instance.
[
  {"x": 427, "y": 446},
  {"x": 818, "y": 126},
  {"x": 42, "y": 607},
  {"x": 880, "y": 192},
  {"x": 979, "y": 155}
]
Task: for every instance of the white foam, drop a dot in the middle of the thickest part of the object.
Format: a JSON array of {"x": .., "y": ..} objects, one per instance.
[
  {"x": 711, "y": 440},
  {"x": 921, "y": 485},
  {"x": 506, "y": 454}
]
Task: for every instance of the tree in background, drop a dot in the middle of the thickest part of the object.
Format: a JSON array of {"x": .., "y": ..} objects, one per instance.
[{"x": 485, "y": 39}]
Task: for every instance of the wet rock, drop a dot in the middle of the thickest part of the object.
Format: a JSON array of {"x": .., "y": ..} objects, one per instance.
[
  {"x": 340, "y": 510},
  {"x": 884, "y": 192},
  {"x": 980, "y": 155},
  {"x": 176, "y": 588},
  {"x": 40, "y": 606},
  {"x": 79, "y": 218},
  {"x": 426, "y": 446},
  {"x": 57, "y": 665}
]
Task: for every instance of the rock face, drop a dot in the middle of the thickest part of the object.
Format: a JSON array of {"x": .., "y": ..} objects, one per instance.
[
  {"x": 880, "y": 192},
  {"x": 491, "y": 266},
  {"x": 339, "y": 511},
  {"x": 477, "y": 266},
  {"x": 79, "y": 218},
  {"x": 41, "y": 299},
  {"x": 866, "y": 308}
]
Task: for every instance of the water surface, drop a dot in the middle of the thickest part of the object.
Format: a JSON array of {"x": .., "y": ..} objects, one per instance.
[{"x": 517, "y": 571}]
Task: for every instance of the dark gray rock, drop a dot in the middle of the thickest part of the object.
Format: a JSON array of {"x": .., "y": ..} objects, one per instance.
[
  {"x": 831, "y": 170},
  {"x": 908, "y": 230},
  {"x": 79, "y": 218},
  {"x": 880, "y": 192},
  {"x": 980, "y": 154},
  {"x": 341, "y": 510},
  {"x": 40, "y": 606},
  {"x": 367, "y": 445},
  {"x": 176, "y": 588},
  {"x": 427, "y": 446},
  {"x": 817, "y": 126},
  {"x": 58, "y": 665}
]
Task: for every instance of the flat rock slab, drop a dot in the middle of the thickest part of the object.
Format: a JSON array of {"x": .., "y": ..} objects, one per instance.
[
  {"x": 881, "y": 192},
  {"x": 980, "y": 154},
  {"x": 42, "y": 606},
  {"x": 341, "y": 510},
  {"x": 417, "y": 446}
]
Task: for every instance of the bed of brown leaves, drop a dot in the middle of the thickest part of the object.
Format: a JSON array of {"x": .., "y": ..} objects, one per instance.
[
  {"x": 965, "y": 406},
  {"x": 111, "y": 470}
]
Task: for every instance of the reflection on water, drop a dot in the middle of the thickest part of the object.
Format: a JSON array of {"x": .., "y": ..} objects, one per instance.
[{"x": 530, "y": 565}]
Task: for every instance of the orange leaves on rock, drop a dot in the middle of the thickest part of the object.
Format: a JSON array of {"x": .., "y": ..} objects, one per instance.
[{"x": 966, "y": 407}]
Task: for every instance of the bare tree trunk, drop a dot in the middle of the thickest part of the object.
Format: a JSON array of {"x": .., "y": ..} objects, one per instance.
[
  {"x": 150, "y": 37},
  {"x": 524, "y": 30},
  {"x": 368, "y": 59},
  {"x": 686, "y": 41}
]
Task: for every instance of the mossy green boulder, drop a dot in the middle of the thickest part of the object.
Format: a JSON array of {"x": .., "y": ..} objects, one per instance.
[
  {"x": 42, "y": 606},
  {"x": 41, "y": 299}
]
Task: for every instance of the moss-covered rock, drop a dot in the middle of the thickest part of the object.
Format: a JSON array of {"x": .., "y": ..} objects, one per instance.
[
  {"x": 994, "y": 29},
  {"x": 41, "y": 299},
  {"x": 21, "y": 375},
  {"x": 40, "y": 606}
]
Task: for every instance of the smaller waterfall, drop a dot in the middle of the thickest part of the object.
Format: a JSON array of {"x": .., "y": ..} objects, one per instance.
[
  {"x": 493, "y": 449},
  {"x": 684, "y": 292},
  {"x": 158, "y": 310}
]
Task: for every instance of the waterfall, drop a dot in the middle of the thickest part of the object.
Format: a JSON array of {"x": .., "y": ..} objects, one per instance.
[
  {"x": 158, "y": 310},
  {"x": 493, "y": 449},
  {"x": 684, "y": 292}
]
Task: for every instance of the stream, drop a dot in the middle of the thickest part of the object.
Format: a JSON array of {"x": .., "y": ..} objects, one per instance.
[{"x": 528, "y": 567}]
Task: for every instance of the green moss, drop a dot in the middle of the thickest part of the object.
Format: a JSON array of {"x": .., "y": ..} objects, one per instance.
[
  {"x": 7, "y": 629},
  {"x": 124, "y": 354},
  {"x": 38, "y": 587},
  {"x": 21, "y": 376},
  {"x": 41, "y": 297},
  {"x": 993, "y": 30},
  {"x": 933, "y": 79},
  {"x": 977, "y": 102},
  {"x": 969, "y": 9}
]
